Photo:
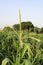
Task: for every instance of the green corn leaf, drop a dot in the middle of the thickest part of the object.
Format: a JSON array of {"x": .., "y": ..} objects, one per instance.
[
  {"x": 6, "y": 60},
  {"x": 27, "y": 62},
  {"x": 24, "y": 50}
]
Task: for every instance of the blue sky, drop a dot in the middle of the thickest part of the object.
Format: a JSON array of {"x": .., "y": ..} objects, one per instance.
[{"x": 31, "y": 10}]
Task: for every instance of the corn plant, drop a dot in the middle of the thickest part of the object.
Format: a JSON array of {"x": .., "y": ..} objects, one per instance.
[{"x": 26, "y": 53}]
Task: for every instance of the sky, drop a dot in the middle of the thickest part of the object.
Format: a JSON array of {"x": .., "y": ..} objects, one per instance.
[{"x": 31, "y": 10}]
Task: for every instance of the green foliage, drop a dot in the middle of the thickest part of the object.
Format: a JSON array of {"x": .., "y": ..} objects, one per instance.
[
  {"x": 20, "y": 47},
  {"x": 30, "y": 54},
  {"x": 36, "y": 29},
  {"x": 7, "y": 28},
  {"x": 41, "y": 31},
  {"x": 28, "y": 26},
  {"x": 24, "y": 25}
]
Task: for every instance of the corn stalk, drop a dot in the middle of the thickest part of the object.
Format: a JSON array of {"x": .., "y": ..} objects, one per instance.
[{"x": 21, "y": 45}]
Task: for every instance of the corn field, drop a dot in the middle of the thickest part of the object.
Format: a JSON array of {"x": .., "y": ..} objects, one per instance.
[{"x": 21, "y": 47}]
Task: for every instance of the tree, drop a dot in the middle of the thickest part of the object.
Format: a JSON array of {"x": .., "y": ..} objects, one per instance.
[
  {"x": 36, "y": 29},
  {"x": 41, "y": 31},
  {"x": 25, "y": 25},
  {"x": 8, "y": 28},
  {"x": 16, "y": 27}
]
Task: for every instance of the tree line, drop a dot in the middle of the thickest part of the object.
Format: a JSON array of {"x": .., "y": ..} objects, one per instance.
[
  {"x": 29, "y": 26},
  {"x": 24, "y": 26}
]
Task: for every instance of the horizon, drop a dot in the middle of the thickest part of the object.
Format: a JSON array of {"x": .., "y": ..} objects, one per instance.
[{"x": 30, "y": 11}]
